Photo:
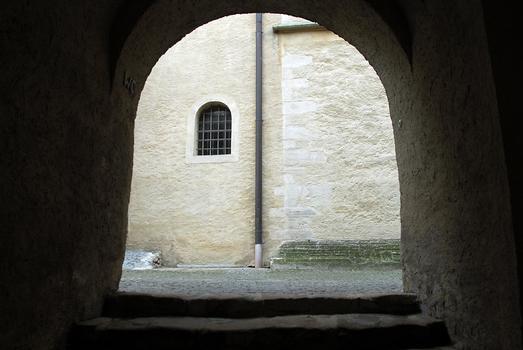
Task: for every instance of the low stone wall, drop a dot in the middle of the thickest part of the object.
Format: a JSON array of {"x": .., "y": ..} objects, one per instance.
[{"x": 331, "y": 254}]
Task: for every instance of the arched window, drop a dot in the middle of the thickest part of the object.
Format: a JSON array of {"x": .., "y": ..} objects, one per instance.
[{"x": 214, "y": 131}]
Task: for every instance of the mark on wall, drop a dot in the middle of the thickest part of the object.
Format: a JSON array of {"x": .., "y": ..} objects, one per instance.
[{"x": 129, "y": 83}]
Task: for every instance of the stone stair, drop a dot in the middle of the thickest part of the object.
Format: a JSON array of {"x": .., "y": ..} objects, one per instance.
[
  {"x": 354, "y": 254},
  {"x": 137, "y": 321}
]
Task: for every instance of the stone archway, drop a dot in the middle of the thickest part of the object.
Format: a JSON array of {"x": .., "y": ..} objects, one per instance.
[
  {"x": 432, "y": 129},
  {"x": 70, "y": 90}
]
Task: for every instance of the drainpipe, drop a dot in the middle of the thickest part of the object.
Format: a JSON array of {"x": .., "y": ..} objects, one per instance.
[{"x": 258, "y": 241}]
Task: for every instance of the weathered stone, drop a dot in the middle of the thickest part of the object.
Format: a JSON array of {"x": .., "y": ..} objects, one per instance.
[
  {"x": 359, "y": 331},
  {"x": 264, "y": 283},
  {"x": 131, "y": 305},
  {"x": 141, "y": 260},
  {"x": 342, "y": 254}
]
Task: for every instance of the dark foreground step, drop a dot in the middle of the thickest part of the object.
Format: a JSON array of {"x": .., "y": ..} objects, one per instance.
[
  {"x": 439, "y": 348},
  {"x": 130, "y": 305},
  {"x": 354, "y": 331}
]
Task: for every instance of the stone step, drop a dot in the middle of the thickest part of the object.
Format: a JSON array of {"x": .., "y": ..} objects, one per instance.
[
  {"x": 329, "y": 251},
  {"x": 343, "y": 253},
  {"x": 342, "y": 244},
  {"x": 331, "y": 264},
  {"x": 352, "y": 331},
  {"x": 132, "y": 305},
  {"x": 349, "y": 245},
  {"x": 438, "y": 348},
  {"x": 331, "y": 255},
  {"x": 319, "y": 250},
  {"x": 334, "y": 257}
]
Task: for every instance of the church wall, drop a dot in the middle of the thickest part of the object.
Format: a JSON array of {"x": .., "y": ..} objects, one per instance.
[
  {"x": 196, "y": 212},
  {"x": 338, "y": 178}
]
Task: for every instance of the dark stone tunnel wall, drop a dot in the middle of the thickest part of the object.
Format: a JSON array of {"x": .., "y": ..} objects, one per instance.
[
  {"x": 457, "y": 231},
  {"x": 65, "y": 170},
  {"x": 66, "y": 131},
  {"x": 506, "y": 51}
]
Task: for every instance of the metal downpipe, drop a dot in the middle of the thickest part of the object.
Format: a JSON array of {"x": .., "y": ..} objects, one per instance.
[{"x": 258, "y": 239}]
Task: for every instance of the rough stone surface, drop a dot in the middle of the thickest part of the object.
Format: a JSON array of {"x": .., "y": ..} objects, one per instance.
[
  {"x": 132, "y": 305},
  {"x": 349, "y": 321},
  {"x": 440, "y": 348},
  {"x": 238, "y": 282},
  {"x": 65, "y": 178},
  {"x": 343, "y": 254},
  {"x": 337, "y": 176},
  {"x": 361, "y": 331},
  {"x": 73, "y": 71},
  {"x": 141, "y": 260},
  {"x": 329, "y": 164}
]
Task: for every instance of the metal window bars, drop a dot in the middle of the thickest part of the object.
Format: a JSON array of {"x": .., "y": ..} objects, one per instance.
[{"x": 214, "y": 131}]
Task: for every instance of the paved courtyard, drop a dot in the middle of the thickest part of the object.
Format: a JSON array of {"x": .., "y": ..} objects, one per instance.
[{"x": 230, "y": 282}]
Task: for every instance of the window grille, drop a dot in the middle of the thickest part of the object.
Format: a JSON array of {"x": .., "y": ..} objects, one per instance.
[{"x": 214, "y": 131}]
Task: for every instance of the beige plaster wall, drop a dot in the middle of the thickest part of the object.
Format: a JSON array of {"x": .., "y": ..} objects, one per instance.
[
  {"x": 329, "y": 164},
  {"x": 195, "y": 213}
]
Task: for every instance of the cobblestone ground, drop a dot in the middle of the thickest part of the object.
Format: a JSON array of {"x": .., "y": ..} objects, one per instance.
[{"x": 205, "y": 283}]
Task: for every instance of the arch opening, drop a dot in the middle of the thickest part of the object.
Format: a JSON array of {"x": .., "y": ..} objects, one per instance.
[{"x": 331, "y": 194}]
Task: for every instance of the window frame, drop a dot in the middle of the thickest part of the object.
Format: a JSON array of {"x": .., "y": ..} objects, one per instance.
[
  {"x": 214, "y": 133},
  {"x": 192, "y": 130}
]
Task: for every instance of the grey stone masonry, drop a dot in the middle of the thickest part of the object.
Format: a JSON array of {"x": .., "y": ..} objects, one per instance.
[{"x": 331, "y": 254}]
